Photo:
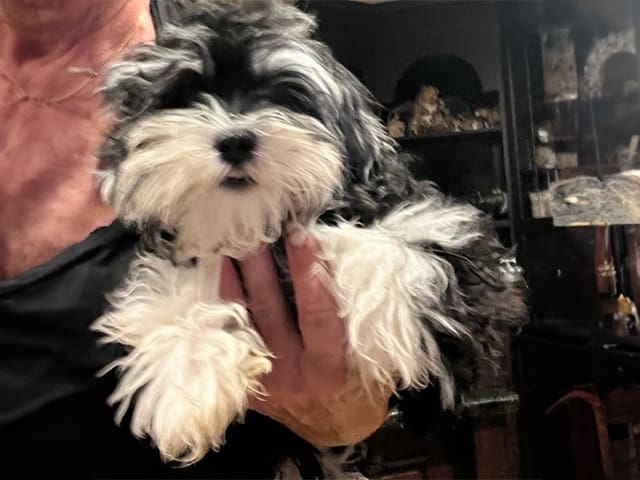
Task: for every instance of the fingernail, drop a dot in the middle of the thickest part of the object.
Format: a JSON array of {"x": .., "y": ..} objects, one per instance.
[{"x": 297, "y": 235}]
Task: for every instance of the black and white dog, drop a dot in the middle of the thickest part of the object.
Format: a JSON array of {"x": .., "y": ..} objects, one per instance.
[{"x": 234, "y": 127}]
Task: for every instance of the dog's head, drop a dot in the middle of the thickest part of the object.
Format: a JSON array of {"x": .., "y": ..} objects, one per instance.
[{"x": 235, "y": 122}]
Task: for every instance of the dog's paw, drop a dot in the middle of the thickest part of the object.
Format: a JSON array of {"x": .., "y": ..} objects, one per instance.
[
  {"x": 192, "y": 360},
  {"x": 390, "y": 294},
  {"x": 188, "y": 379}
]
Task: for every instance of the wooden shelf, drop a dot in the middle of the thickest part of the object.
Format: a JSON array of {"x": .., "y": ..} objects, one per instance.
[{"x": 489, "y": 135}]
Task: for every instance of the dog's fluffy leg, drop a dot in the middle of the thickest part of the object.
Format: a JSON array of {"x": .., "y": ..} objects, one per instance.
[
  {"x": 192, "y": 359},
  {"x": 391, "y": 292}
]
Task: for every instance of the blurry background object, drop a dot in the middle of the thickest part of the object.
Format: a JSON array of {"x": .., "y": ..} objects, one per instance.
[
  {"x": 433, "y": 114},
  {"x": 494, "y": 203},
  {"x": 611, "y": 66},
  {"x": 430, "y": 114},
  {"x": 546, "y": 157},
  {"x": 626, "y": 157},
  {"x": 439, "y": 95},
  {"x": 540, "y": 204},
  {"x": 560, "y": 86},
  {"x": 583, "y": 200},
  {"x": 559, "y": 64}
]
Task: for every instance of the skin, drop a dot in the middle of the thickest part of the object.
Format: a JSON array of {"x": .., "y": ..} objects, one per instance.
[
  {"x": 51, "y": 203},
  {"x": 51, "y": 199},
  {"x": 313, "y": 392}
]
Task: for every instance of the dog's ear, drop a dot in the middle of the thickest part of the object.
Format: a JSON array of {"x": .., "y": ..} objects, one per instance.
[
  {"x": 376, "y": 179},
  {"x": 282, "y": 16},
  {"x": 146, "y": 76},
  {"x": 366, "y": 142}
]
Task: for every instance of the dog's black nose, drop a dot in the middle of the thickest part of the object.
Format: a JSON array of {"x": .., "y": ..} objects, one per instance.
[{"x": 237, "y": 148}]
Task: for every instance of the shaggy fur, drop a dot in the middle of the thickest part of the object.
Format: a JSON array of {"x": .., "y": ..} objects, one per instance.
[{"x": 418, "y": 279}]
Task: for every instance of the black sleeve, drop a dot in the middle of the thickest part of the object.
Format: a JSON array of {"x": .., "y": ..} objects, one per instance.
[{"x": 53, "y": 410}]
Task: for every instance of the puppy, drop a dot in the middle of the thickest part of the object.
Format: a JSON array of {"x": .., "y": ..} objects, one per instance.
[{"x": 234, "y": 127}]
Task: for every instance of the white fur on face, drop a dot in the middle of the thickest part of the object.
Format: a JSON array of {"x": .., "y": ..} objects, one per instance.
[{"x": 173, "y": 174}]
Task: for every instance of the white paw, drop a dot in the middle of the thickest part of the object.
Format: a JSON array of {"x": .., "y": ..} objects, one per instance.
[
  {"x": 191, "y": 363},
  {"x": 189, "y": 381},
  {"x": 391, "y": 292}
]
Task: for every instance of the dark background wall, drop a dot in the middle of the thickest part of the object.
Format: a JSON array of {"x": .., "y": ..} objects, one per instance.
[{"x": 378, "y": 42}]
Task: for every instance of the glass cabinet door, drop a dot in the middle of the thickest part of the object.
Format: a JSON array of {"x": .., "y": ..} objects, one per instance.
[{"x": 582, "y": 80}]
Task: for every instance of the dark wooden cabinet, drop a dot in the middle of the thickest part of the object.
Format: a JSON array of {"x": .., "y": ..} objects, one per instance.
[
  {"x": 570, "y": 349},
  {"x": 585, "y": 436}
]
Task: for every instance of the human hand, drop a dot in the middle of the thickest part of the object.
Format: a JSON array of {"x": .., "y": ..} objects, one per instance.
[{"x": 310, "y": 389}]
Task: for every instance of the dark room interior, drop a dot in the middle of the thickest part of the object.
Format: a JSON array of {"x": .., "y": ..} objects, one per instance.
[{"x": 562, "y": 78}]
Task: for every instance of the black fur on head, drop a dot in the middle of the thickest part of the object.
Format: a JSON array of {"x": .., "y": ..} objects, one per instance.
[{"x": 250, "y": 55}]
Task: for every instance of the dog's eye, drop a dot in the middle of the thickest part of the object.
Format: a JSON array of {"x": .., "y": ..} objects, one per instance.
[
  {"x": 183, "y": 92},
  {"x": 295, "y": 97},
  {"x": 148, "y": 142}
]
